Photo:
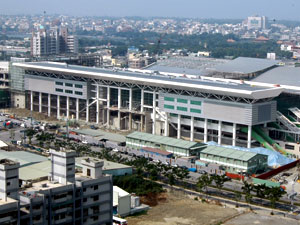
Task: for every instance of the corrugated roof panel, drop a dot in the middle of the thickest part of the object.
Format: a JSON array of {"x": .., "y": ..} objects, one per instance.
[
  {"x": 229, "y": 153},
  {"x": 164, "y": 140}
]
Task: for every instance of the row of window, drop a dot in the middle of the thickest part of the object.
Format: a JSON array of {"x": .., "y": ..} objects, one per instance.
[
  {"x": 184, "y": 109},
  {"x": 68, "y": 91},
  {"x": 181, "y": 100},
  {"x": 68, "y": 84}
]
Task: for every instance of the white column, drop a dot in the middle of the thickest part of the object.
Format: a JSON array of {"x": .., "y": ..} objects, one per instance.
[
  {"x": 68, "y": 107},
  {"x": 249, "y": 136},
  {"x": 87, "y": 111},
  {"x": 205, "y": 130},
  {"x": 220, "y": 132},
  {"x": 166, "y": 126},
  {"x": 31, "y": 100},
  {"x": 40, "y": 102},
  {"x": 130, "y": 121},
  {"x": 192, "y": 129},
  {"x": 49, "y": 105},
  {"x": 58, "y": 106},
  {"x": 154, "y": 113},
  {"x": 119, "y": 98},
  {"x": 119, "y": 120},
  {"x": 178, "y": 126},
  {"x": 108, "y": 106},
  {"x": 234, "y": 135},
  {"x": 97, "y": 104},
  {"x": 77, "y": 108},
  {"x": 130, "y": 99},
  {"x": 142, "y": 100}
]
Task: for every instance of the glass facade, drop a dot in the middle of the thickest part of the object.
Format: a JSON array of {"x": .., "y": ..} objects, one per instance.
[
  {"x": 195, "y": 102},
  {"x": 169, "y": 106},
  {"x": 182, "y": 100}
]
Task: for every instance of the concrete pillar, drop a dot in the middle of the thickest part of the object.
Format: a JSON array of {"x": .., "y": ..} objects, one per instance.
[
  {"x": 40, "y": 102},
  {"x": 77, "y": 108},
  {"x": 108, "y": 106},
  {"x": 49, "y": 105},
  {"x": 166, "y": 126},
  {"x": 31, "y": 100},
  {"x": 97, "y": 104},
  {"x": 179, "y": 127},
  {"x": 220, "y": 132},
  {"x": 68, "y": 107},
  {"x": 119, "y": 120},
  {"x": 58, "y": 106},
  {"x": 142, "y": 122},
  {"x": 142, "y": 100},
  {"x": 192, "y": 129},
  {"x": 154, "y": 113},
  {"x": 108, "y": 97},
  {"x": 130, "y": 99},
  {"x": 108, "y": 117},
  {"x": 119, "y": 98},
  {"x": 130, "y": 121},
  {"x": 87, "y": 111},
  {"x": 205, "y": 130},
  {"x": 249, "y": 136},
  {"x": 234, "y": 135}
]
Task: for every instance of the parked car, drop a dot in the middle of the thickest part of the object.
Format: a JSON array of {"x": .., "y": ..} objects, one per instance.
[
  {"x": 115, "y": 150},
  {"x": 84, "y": 142}
]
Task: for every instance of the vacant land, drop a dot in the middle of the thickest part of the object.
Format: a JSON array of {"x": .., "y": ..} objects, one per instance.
[
  {"x": 260, "y": 219},
  {"x": 180, "y": 209}
]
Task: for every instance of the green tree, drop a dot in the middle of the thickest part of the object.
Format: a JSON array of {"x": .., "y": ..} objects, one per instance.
[
  {"x": 220, "y": 180},
  {"x": 247, "y": 188},
  {"x": 30, "y": 133},
  {"x": 274, "y": 194},
  {"x": 203, "y": 182},
  {"x": 237, "y": 197}
]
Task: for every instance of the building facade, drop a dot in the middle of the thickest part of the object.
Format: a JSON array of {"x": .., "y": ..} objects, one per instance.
[
  {"x": 235, "y": 160},
  {"x": 53, "y": 42},
  {"x": 207, "y": 109},
  {"x": 66, "y": 198}
]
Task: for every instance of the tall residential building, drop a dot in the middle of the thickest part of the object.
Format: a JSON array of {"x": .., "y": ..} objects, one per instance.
[
  {"x": 256, "y": 22},
  {"x": 53, "y": 42},
  {"x": 66, "y": 198}
]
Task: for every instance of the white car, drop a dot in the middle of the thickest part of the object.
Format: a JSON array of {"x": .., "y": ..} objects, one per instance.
[
  {"x": 115, "y": 150},
  {"x": 84, "y": 142}
]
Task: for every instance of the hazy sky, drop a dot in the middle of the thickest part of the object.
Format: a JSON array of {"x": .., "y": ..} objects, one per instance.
[{"x": 274, "y": 9}]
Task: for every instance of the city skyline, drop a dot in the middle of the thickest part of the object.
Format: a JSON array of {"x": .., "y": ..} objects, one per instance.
[{"x": 231, "y": 9}]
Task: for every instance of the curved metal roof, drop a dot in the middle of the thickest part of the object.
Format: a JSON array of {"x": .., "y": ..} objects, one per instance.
[{"x": 217, "y": 86}]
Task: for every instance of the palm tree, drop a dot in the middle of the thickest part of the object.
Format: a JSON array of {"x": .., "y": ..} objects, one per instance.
[
  {"x": 237, "y": 197},
  {"x": 247, "y": 188},
  {"x": 30, "y": 133},
  {"x": 220, "y": 180},
  {"x": 203, "y": 182},
  {"x": 260, "y": 191},
  {"x": 274, "y": 194}
]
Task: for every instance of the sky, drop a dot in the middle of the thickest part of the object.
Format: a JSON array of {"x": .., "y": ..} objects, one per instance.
[{"x": 219, "y": 9}]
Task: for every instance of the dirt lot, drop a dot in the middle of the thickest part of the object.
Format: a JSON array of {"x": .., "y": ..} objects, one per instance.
[
  {"x": 259, "y": 219},
  {"x": 179, "y": 209}
]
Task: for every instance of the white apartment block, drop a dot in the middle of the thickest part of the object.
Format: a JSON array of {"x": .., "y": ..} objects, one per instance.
[{"x": 66, "y": 197}]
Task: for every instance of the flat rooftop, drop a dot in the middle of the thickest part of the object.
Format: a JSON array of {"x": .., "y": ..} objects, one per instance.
[
  {"x": 222, "y": 87},
  {"x": 23, "y": 157},
  {"x": 108, "y": 165}
]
